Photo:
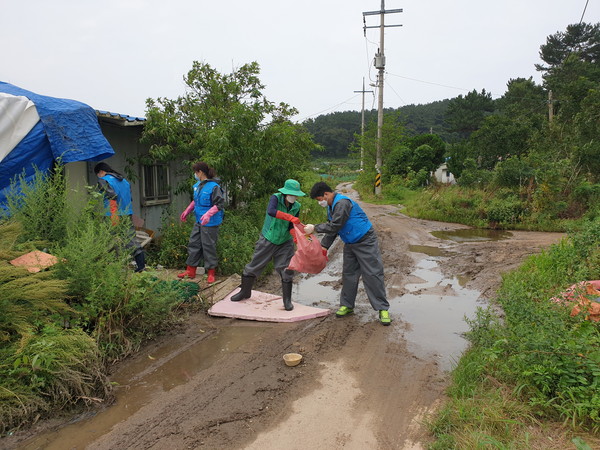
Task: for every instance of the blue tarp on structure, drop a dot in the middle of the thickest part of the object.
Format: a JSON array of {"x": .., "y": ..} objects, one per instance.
[{"x": 67, "y": 131}]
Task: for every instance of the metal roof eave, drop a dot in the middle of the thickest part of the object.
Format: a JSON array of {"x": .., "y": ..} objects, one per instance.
[{"x": 123, "y": 120}]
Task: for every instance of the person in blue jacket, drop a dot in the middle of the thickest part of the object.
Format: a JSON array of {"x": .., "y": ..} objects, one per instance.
[
  {"x": 361, "y": 250},
  {"x": 117, "y": 203},
  {"x": 209, "y": 209}
]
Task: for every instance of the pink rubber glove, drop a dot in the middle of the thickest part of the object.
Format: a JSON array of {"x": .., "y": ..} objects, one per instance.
[
  {"x": 185, "y": 213},
  {"x": 208, "y": 214}
]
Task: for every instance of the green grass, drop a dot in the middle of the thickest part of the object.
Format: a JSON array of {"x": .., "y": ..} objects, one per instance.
[{"x": 533, "y": 368}]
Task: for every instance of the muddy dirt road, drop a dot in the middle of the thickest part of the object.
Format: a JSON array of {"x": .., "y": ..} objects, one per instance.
[{"x": 221, "y": 383}]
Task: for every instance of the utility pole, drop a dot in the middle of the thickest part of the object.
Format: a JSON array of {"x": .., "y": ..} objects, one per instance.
[
  {"x": 379, "y": 65},
  {"x": 362, "y": 125}
]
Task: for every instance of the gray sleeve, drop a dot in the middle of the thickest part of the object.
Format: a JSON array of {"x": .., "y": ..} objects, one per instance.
[
  {"x": 328, "y": 240},
  {"x": 218, "y": 198},
  {"x": 339, "y": 217},
  {"x": 107, "y": 190}
]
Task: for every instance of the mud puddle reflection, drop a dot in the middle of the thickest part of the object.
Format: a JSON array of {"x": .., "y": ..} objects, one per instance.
[
  {"x": 143, "y": 381},
  {"x": 472, "y": 235},
  {"x": 320, "y": 290},
  {"x": 430, "y": 316},
  {"x": 435, "y": 308}
]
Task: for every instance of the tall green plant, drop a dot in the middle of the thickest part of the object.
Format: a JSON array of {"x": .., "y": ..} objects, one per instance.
[{"x": 41, "y": 205}]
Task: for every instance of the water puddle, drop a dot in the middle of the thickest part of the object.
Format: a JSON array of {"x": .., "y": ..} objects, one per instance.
[
  {"x": 320, "y": 290},
  {"x": 435, "y": 308},
  {"x": 430, "y": 316},
  {"x": 143, "y": 381},
  {"x": 430, "y": 250},
  {"x": 472, "y": 235}
]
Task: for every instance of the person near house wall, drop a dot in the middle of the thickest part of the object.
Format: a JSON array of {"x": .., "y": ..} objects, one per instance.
[
  {"x": 117, "y": 202},
  {"x": 275, "y": 243},
  {"x": 362, "y": 257},
  {"x": 209, "y": 209}
]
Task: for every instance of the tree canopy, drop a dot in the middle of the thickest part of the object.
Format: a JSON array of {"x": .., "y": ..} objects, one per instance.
[
  {"x": 582, "y": 40},
  {"x": 226, "y": 121},
  {"x": 465, "y": 114}
]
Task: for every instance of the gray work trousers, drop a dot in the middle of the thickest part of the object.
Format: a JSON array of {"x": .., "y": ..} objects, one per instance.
[
  {"x": 203, "y": 246},
  {"x": 264, "y": 251},
  {"x": 363, "y": 259}
]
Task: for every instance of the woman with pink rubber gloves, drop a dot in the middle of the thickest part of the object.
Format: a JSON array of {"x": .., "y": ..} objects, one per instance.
[{"x": 209, "y": 208}]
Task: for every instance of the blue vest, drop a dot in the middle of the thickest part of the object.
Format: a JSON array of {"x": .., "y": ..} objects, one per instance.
[
  {"x": 203, "y": 202},
  {"x": 123, "y": 191},
  {"x": 357, "y": 224}
]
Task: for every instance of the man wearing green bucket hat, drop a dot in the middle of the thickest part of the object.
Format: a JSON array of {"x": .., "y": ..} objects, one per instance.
[{"x": 275, "y": 243}]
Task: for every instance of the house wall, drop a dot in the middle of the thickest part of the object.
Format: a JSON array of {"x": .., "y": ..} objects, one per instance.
[
  {"x": 443, "y": 175},
  {"x": 125, "y": 141},
  {"x": 77, "y": 179}
]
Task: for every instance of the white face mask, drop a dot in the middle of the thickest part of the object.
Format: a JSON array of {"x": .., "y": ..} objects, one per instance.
[
  {"x": 290, "y": 198},
  {"x": 323, "y": 203}
]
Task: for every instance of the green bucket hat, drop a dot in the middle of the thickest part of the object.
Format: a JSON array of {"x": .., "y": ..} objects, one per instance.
[{"x": 292, "y": 187}]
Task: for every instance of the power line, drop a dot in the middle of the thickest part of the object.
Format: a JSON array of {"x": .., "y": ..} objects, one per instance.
[
  {"x": 328, "y": 109},
  {"x": 392, "y": 88},
  {"x": 428, "y": 82},
  {"x": 584, "y": 9}
]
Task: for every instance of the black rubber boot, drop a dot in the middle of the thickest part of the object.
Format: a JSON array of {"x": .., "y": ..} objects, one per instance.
[
  {"x": 140, "y": 261},
  {"x": 286, "y": 288},
  {"x": 246, "y": 290}
]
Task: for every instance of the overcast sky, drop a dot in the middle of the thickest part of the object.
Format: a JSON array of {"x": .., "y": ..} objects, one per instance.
[{"x": 313, "y": 55}]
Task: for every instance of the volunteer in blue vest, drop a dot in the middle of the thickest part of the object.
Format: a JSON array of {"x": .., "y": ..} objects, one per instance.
[
  {"x": 362, "y": 257},
  {"x": 117, "y": 202},
  {"x": 276, "y": 242},
  {"x": 209, "y": 209}
]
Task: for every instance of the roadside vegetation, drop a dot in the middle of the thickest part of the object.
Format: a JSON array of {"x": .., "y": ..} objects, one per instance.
[
  {"x": 61, "y": 328},
  {"x": 532, "y": 374},
  {"x": 531, "y": 378}
]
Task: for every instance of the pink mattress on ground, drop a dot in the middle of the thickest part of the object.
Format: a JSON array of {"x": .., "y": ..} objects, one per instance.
[
  {"x": 35, "y": 261},
  {"x": 264, "y": 307}
]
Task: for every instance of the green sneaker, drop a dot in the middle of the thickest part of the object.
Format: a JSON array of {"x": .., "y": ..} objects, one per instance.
[
  {"x": 384, "y": 317},
  {"x": 344, "y": 311}
]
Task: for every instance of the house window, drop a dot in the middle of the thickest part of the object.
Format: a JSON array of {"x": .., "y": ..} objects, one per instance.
[{"x": 155, "y": 184}]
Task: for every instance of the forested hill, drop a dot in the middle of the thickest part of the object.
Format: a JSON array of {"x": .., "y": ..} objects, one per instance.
[{"x": 336, "y": 131}]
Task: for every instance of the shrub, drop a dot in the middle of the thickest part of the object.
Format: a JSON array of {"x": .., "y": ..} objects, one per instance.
[
  {"x": 471, "y": 176},
  {"x": 170, "y": 249},
  {"x": 41, "y": 364},
  {"x": 505, "y": 212},
  {"x": 40, "y": 206},
  {"x": 552, "y": 358},
  {"x": 237, "y": 237},
  {"x": 116, "y": 306},
  {"x": 142, "y": 310},
  {"x": 513, "y": 172}
]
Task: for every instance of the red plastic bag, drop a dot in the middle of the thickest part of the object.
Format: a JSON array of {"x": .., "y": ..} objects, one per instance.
[{"x": 309, "y": 257}]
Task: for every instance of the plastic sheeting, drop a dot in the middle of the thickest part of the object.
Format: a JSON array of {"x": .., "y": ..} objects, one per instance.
[{"x": 67, "y": 131}]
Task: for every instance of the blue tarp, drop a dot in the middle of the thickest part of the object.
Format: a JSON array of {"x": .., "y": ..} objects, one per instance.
[{"x": 68, "y": 131}]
